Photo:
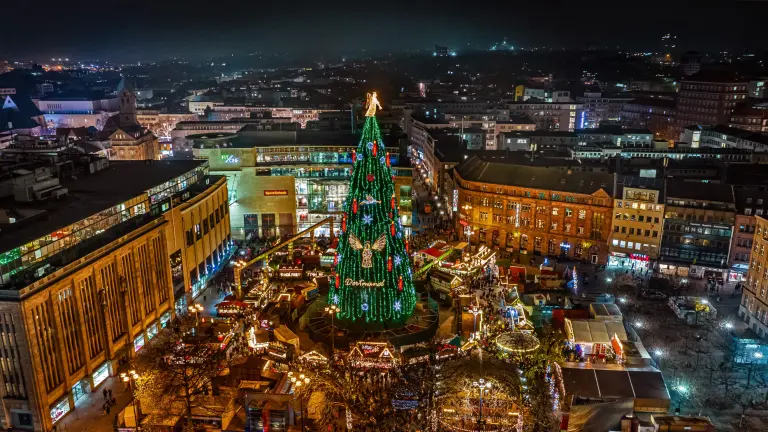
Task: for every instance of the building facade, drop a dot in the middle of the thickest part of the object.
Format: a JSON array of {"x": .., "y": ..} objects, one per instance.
[
  {"x": 554, "y": 116},
  {"x": 535, "y": 210},
  {"x": 657, "y": 115},
  {"x": 637, "y": 226},
  {"x": 81, "y": 294},
  {"x": 598, "y": 108},
  {"x": 754, "y": 299},
  {"x": 283, "y": 182},
  {"x": 722, "y": 136},
  {"x": 709, "y": 99},
  {"x": 698, "y": 225}
]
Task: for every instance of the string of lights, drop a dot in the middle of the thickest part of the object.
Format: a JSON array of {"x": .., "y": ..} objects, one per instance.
[{"x": 373, "y": 278}]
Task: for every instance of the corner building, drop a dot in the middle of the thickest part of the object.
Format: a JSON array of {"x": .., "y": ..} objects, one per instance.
[
  {"x": 86, "y": 280},
  {"x": 754, "y": 299},
  {"x": 535, "y": 210}
]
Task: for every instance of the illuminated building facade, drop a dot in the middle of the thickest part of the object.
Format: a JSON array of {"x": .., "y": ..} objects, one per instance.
[
  {"x": 698, "y": 225},
  {"x": 92, "y": 283},
  {"x": 282, "y": 182},
  {"x": 709, "y": 98},
  {"x": 638, "y": 220},
  {"x": 535, "y": 210},
  {"x": 754, "y": 299}
]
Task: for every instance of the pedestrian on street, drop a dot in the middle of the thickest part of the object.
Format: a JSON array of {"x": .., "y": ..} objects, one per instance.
[
  {"x": 109, "y": 391},
  {"x": 104, "y": 392}
]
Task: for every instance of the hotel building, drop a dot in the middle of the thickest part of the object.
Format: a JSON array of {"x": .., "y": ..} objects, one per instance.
[
  {"x": 535, "y": 210},
  {"x": 282, "y": 182},
  {"x": 86, "y": 279}
]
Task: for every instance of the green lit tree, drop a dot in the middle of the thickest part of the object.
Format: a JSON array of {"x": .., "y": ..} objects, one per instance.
[{"x": 373, "y": 279}]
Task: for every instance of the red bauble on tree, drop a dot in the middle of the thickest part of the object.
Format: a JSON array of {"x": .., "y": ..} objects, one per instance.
[{"x": 370, "y": 177}]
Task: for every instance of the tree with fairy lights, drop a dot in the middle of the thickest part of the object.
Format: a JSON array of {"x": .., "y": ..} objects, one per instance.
[{"x": 372, "y": 277}]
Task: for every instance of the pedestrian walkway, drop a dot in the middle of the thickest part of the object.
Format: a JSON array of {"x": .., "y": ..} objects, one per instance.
[{"x": 88, "y": 414}]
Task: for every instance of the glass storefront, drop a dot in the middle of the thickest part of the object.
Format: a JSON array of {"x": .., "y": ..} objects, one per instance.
[
  {"x": 138, "y": 343},
  {"x": 59, "y": 409},
  {"x": 152, "y": 330},
  {"x": 629, "y": 261},
  {"x": 100, "y": 374},
  {"x": 79, "y": 389},
  {"x": 165, "y": 320}
]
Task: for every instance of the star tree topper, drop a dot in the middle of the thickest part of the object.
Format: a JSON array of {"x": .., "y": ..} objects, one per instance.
[{"x": 367, "y": 249}]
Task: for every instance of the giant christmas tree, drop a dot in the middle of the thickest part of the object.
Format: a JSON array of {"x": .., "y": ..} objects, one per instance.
[{"x": 372, "y": 278}]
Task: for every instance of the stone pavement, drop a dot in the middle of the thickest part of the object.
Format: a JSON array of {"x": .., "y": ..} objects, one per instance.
[{"x": 87, "y": 415}]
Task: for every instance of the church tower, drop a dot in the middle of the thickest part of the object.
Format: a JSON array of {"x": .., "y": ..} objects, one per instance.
[{"x": 127, "y": 100}]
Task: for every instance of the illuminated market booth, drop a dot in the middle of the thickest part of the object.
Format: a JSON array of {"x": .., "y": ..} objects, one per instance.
[
  {"x": 378, "y": 355},
  {"x": 231, "y": 308}
]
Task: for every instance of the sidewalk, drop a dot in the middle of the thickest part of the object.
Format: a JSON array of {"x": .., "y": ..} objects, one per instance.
[{"x": 87, "y": 415}]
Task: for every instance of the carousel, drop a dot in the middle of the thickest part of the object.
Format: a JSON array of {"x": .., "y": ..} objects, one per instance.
[
  {"x": 478, "y": 395},
  {"x": 517, "y": 342}
]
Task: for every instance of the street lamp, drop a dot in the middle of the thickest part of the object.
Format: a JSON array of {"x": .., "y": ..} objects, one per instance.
[
  {"x": 332, "y": 310},
  {"x": 482, "y": 386},
  {"x": 130, "y": 380},
  {"x": 196, "y": 309},
  {"x": 298, "y": 382},
  {"x": 475, "y": 311}
]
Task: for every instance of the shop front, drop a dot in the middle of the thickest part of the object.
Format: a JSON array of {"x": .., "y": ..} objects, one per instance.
[
  {"x": 639, "y": 262},
  {"x": 100, "y": 374},
  {"x": 738, "y": 273},
  {"x": 80, "y": 389},
  {"x": 60, "y": 409},
  {"x": 138, "y": 343},
  {"x": 668, "y": 269}
]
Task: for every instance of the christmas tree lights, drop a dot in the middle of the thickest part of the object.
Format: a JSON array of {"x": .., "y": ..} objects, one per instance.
[{"x": 372, "y": 279}]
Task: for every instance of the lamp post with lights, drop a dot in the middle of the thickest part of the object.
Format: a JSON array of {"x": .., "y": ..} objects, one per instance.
[
  {"x": 332, "y": 310},
  {"x": 483, "y": 387},
  {"x": 475, "y": 311},
  {"x": 130, "y": 380},
  {"x": 299, "y": 381},
  {"x": 196, "y": 309}
]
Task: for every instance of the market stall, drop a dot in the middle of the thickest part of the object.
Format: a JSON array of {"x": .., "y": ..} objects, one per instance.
[{"x": 378, "y": 355}]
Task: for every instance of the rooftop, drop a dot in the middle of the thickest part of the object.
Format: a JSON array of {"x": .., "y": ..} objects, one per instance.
[
  {"x": 609, "y": 381},
  {"x": 480, "y": 169},
  {"x": 711, "y": 192},
  {"x": 249, "y": 136},
  {"x": 88, "y": 195}
]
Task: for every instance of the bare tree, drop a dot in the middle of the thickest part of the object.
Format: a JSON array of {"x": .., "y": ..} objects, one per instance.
[{"x": 177, "y": 369}]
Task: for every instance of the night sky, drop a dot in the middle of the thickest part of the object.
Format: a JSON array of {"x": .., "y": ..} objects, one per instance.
[{"x": 141, "y": 29}]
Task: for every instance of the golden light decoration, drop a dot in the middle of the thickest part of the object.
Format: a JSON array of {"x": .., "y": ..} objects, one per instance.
[
  {"x": 372, "y": 104},
  {"x": 517, "y": 342}
]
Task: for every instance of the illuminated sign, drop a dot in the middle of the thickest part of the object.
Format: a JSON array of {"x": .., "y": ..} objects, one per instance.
[
  {"x": 281, "y": 192},
  {"x": 455, "y": 200},
  {"x": 230, "y": 159}
]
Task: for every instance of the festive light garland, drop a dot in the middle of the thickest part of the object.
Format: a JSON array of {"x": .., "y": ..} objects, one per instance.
[{"x": 383, "y": 291}]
